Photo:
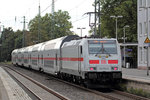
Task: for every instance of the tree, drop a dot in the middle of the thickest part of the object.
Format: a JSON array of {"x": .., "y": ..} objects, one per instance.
[
  {"x": 126, "y": 8},
  {"x": 51, "y": 26},
  {"x": 7, "y": 44}
]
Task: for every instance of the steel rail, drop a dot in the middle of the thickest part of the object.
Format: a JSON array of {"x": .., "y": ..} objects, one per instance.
[
  {"x": 107, "y": 96},
  {"x": 41, "y": 85},
  {"x": 23, "y": 85}
]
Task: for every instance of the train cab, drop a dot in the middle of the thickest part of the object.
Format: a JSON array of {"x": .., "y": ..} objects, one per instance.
[{"x": 103, "y": 59}]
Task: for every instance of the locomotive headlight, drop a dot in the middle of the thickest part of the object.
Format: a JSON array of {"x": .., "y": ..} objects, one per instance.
[
  {"x": 114, "y": 68},
  {"x": 92, "y": 68}
]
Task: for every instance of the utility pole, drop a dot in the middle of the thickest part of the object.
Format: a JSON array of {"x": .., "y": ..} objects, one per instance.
[
  {"x": 24, "y": 25},
  {"x": 99, "y": 16},
  {"x": 91, "y": 23},
  {"x": 39, "y": 24},
  {"x": 53, "y": 6},
  {"x": 52, "y": 24},
  {"x": 95, "y": 19}
]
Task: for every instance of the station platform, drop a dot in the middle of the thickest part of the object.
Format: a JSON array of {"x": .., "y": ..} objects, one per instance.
[
  {"x": 9, "y": 89},
  {"x": 136, "y": 75}
]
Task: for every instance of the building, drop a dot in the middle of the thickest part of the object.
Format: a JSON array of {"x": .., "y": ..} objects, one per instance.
[{"x": 143, "y": 12}]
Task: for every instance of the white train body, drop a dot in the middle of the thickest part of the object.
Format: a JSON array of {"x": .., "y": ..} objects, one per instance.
[{"x": 88, "y": 59}]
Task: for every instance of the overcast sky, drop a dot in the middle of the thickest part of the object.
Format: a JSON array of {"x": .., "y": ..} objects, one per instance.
[{"x": 11, "y": 9}]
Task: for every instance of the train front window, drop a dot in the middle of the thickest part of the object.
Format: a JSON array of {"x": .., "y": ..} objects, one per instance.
[{"x": 102, "y": 47}]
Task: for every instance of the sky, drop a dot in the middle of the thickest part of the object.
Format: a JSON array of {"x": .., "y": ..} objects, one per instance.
[{"x": 12, "y": 12}]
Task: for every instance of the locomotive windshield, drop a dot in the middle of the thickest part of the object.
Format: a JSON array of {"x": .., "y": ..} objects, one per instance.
[{"x": 102, "y": 47}]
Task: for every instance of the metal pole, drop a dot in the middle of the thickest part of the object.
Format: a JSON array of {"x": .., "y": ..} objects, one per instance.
[
  {"x": 81, "y": 30},
  {"x": 39, "y": 20},
  {"x": 116, "y": 27},
  {"x": 124, "y": 49},
  {"x": 95, "y": 19},
  {"x": 124, "y": 41},
  {"x": 23, "y": 42},
  {"x": 147, "y": 62},
  {"x": 53, "y": 6},
  {"x": 147, "y": 47},
  {"x": 116, "y": 18},
  {"x": 99, "y": 16}
]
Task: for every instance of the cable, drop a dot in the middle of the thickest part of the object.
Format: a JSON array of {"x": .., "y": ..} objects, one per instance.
[
  {"x": 48, "y": 7},
  {"x": 79, "y": 19},
  {"x": 77, "y": 6}
]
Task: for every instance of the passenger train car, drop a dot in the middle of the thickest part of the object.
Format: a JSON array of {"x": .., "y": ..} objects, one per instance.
[{"x": 92, "y": 61}]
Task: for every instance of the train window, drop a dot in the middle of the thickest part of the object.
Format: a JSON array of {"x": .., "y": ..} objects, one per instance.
[
  {"x": 56, "y": 59},
  {"x": 38, "y": 58},
  {"x": 102, "y": 47},
  {"x": 42, "y": 58},
  {"x": 81, "y": 49}
]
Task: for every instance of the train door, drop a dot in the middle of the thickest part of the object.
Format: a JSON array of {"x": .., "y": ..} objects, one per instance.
[
  {"x": 60, "y": 60},
  {"x": 38, "y": 61},
  {"x": 79, "y": 58},
  {"x": 42, "y": 60},
  {"x": 57, "y": 62}
]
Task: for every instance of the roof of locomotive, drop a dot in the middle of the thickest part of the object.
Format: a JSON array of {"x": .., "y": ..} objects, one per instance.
[{"x": 81, "y": 40}]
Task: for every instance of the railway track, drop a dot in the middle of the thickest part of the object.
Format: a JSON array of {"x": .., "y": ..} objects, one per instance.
[
  {"x": 35, "y": 87},
  {"x": 112, "y": 95}
]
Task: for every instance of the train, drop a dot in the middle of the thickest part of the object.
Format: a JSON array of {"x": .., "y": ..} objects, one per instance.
[{"x": 95, "y": 62}]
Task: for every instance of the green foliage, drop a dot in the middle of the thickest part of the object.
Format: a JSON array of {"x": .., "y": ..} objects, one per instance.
[
  {"x": 7, "y": 44},
  {"x": 51, "y": 26},
  {"x": 126, "y": 8},
  {"x": 139, "y": 92}
]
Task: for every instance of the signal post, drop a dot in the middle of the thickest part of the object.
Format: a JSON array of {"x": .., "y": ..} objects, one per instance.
[{"x": 147, "y": 42}]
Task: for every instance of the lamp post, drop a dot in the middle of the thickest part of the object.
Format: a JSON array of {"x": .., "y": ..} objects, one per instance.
[
  {"x": 116, "y": 17},
  {"x": 124, "y": 38},
  {"x": 81, "y": 29}
]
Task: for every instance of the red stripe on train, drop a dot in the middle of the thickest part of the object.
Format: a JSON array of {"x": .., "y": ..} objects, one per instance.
[
  {"x": 71, "y": 59},
  {"x": 112, "y": 61},
  {"x": 63, "y": 59},
  {"x": 93, "y": 61}
]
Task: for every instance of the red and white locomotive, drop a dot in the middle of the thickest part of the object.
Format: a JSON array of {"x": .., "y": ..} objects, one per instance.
[{"x": 94, "y": 61}]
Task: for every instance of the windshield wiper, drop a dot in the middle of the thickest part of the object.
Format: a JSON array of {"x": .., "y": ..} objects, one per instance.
[{"x": 103, "y": 50}]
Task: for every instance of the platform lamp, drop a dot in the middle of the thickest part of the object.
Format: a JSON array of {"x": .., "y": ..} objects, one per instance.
[
  {"x": 124, "y": 38},
  {"x": 116, "y": 17},
  {"x": 81, "y": 29}
]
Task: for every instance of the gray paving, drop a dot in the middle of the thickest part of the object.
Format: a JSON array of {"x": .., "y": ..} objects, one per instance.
[
  {"x": 136, "y": 74},
  {"x": 12, "y": 91},
  {"x": 3, "y": 92}
]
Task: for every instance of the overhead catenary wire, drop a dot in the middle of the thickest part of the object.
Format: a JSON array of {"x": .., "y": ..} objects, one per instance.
[
  {"x": 48, "y": 6},
  {"x": 81, "y": 3},
  {"x": 79, "y": 19}
]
